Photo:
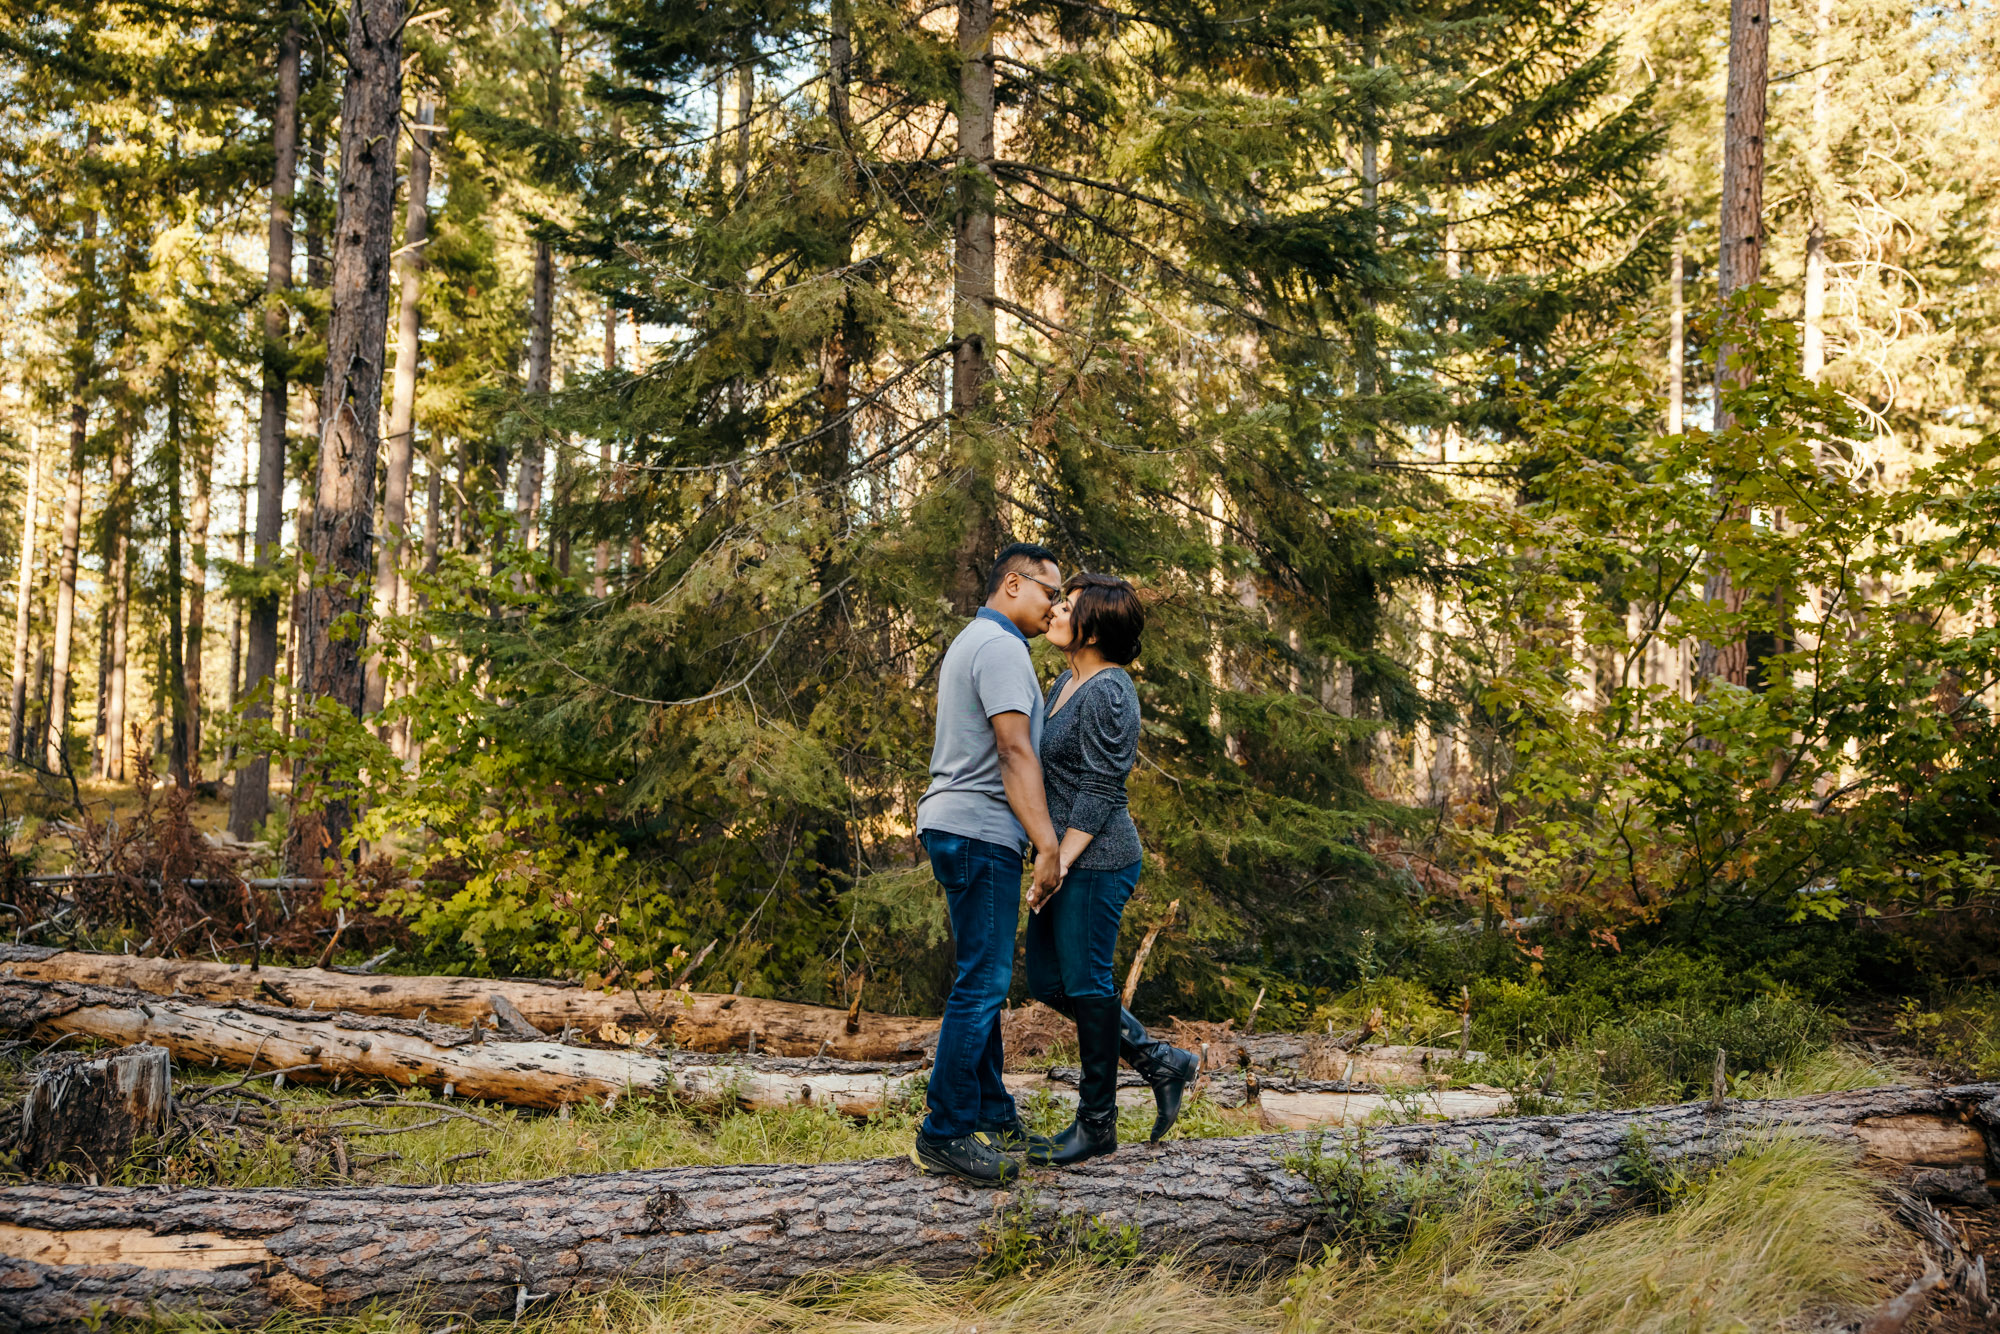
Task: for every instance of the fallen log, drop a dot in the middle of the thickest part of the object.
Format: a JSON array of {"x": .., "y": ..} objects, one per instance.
[
  {"x": 320, "y": 1045},
  {"x": 693, "y": 1021},
  {"x": 241, "y": 1256}
]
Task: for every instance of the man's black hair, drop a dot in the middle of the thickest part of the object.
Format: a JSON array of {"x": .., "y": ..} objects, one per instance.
[{"x": 1017, "y": 556}]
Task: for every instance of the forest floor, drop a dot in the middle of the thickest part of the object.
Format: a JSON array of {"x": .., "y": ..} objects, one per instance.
[
  {"x": 1789, "y": 1235},
  {"x": 1785, "y": 1237}
]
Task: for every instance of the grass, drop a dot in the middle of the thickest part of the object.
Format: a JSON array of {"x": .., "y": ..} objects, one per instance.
[
  {"x": 423, "y": 1143},
  {"x": 1785, "y": 1230},
  {"x": 1786, "y": 1234}
]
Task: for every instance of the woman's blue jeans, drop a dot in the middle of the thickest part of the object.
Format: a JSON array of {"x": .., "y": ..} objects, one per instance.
[
  {"x": 982, "y": 893},
  {"x": 1072, "y": 940}
]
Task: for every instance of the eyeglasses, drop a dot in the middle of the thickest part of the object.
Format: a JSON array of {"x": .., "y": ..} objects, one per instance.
[{"x": 1053, "y": 590}]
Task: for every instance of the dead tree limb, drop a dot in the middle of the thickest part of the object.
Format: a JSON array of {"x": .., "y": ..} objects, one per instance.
[{"x": 244, "y": 1255}]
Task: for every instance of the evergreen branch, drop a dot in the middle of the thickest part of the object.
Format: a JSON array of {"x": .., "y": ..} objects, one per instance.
[
  {"x": 733, "y": 687},
  {"x": 868, "y": 399}
]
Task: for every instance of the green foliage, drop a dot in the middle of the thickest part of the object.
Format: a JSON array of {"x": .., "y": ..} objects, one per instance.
[
  {"x": 1960, "y": 1029},
  {"x": 1850, "y": 773},
  {"x": 1376, "y": 1203}
]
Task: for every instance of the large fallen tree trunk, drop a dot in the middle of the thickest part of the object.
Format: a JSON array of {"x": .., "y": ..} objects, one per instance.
[
  {"x": 693, "y": 1021},
  {"x": 243, "y": 1255},
  {"x": 316, "y": 1046}
]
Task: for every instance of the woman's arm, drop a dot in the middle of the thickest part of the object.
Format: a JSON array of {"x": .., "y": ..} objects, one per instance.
[{"x": 1074, "y": 841}]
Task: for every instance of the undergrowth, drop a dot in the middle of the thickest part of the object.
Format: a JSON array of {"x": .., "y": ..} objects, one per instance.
[{"x": 1960, "y": 1030}]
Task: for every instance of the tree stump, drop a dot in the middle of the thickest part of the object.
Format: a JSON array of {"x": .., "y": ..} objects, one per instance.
[{"x": 89, "y": 1111}]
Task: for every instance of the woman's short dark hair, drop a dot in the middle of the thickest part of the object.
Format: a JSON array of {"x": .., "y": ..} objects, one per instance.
[{"x": 1105, "y": 611}]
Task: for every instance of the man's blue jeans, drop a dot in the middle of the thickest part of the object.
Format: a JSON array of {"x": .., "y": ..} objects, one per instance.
[
  {"x": 1072, "y": 939},
  {"x": 982, "y": 892}
]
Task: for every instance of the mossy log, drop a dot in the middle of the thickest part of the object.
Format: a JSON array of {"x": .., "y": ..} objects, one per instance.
[
  {"x": 693, "y": 1021},
  {"x": 244, "y": 1255}
]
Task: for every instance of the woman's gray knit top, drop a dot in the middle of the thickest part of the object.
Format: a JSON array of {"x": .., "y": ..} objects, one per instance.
[{"x": 1088, "y": 746}]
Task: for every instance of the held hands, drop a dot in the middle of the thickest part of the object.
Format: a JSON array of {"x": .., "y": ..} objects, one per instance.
[{"x": 1050, "y": 868}]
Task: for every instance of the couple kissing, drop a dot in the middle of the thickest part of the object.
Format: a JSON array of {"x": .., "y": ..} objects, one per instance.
[{"x": 1016, "y": 773}]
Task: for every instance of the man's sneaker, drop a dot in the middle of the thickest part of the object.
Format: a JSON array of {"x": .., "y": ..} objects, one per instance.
[
  {"x": 1014, "y": 1138},
  {"x": 967, "y": 1157}
]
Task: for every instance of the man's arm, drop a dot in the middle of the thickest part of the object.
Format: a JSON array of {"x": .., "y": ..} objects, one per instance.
[{"x": 1021, "y": 775}]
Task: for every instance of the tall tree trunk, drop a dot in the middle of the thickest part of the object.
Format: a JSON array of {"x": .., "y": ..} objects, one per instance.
[
  {"x": 38, "y": 711},
  {"x": 973, "y": 290},
  {"x": 1741, "y": 241},
  {"x": 319, "y": 276},
  {"x": 174, "y": 668},
  {"x": 235, "y": 691},
  {"x": 1366, "y": 382},
  {"x": 1677, "y": 336},
  {"x": 197, "y": 596},
  {"x": 541, "y": 338},
  {"x": 1741, "y": 236},
  {"x": 24, "y": 586},
  {"x": 746, "y": 106},
  {"x": 250, "y": 795},
  {"x": 82, "y": 370},
  {"x": 837, "y": 352},
  {"x": 330, "y": 654},
  {"x": 397, "y": 451},
  {"x": 1812, "y": 349},
  {"x": 118, "y": 581},
  {"x": 541, "y": 331},
  {"x": 600, "y": 557}
]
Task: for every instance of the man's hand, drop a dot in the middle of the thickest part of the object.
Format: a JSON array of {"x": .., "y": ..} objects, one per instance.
[{"x": 1048, "y": 877}]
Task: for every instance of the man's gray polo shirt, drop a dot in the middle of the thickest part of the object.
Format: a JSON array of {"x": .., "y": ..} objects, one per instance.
[{"x": 985, "y": 671}]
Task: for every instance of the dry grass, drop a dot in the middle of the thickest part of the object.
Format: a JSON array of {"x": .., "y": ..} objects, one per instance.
[{"x": 1786, "y": 1230}]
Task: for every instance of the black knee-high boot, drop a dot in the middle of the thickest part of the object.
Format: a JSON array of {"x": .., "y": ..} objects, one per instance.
[
  {"x": 1094, "y": 1133},
  {"x": 1167, "y": 1068}
]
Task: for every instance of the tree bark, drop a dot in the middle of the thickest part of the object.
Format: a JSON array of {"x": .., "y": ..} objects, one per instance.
[
  {"x": 88, "y": 1112},
  {"x": 973, "y": 289},
  {"x": 330, "y": 654},
  {"x": 541, "y": 339},
  {"x": 197, "y": 596},
  {"x": 250, "y": 794},
  {"x": 1741, "y": 242},
  {"x": 1812, "y": 342},
  {"x": 694, "y": 1021},
  {"x": 1234, "y": 1205},
  {"x": 1677, "y": 336},
  {"x": 83, "y": 369},
  {"x": 472, "y": 1062},
  {"x": 399, "y": 448},
  {"x": 118, "y": 581},
  {"x": 600, "y": 556},
  {"x": 174, "y": 669},
  {"x": 1741, "y": 238},
  {"x": 24, "y": 585}
]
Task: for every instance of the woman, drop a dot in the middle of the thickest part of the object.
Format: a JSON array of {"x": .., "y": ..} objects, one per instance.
[{"x": 1089, "y": 744}]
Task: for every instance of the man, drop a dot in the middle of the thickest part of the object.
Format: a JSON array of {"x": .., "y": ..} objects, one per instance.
[{"x": 984, "y": 810}]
